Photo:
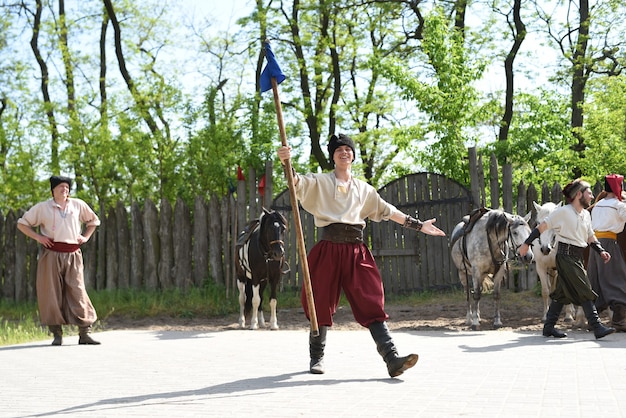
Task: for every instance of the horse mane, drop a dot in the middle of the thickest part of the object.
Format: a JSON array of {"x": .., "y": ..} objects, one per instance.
[
  {"x": 498, "y": 221},
  {"x": 266, "y": 215}
]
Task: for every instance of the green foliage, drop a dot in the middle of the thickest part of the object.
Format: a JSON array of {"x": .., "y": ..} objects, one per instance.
[
  {"x": 605, "y": 127},
  {"x": 404, "y": 88},
  {"x": 444, "y": 94},
  {"x": 539, "y": 140}
]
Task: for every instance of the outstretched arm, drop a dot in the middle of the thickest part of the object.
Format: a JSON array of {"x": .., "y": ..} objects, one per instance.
[{"x": 426, "y": 227}]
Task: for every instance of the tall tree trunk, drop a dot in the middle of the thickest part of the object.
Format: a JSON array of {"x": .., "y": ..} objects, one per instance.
[
  {"x": 143, "y": 108},
  {"x": 460, "y": 7},
  {"x": 579, "y": 80},
  {"x": 311, "y": 105},
  {"x": 55, "y": 165},
  {"x": 519, "y": 34},
  {"x": 75, "y": 131}
]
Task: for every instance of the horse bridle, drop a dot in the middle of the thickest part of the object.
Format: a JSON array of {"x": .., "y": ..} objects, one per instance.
[
  {"x": 550, "y": 245},
  {"x": 266, "y": 252},
  {"x": 512, "y": 243}
]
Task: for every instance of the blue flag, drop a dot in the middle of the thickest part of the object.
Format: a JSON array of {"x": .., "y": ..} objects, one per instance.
[{"x": 271, "y": 70}]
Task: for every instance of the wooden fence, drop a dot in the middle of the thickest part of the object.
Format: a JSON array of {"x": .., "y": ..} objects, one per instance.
[{"x": 175, "y": 246}]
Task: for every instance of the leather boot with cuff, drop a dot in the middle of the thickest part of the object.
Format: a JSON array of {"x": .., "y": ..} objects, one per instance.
[
  {"x": 57, "y": 332},
  {"x": 316, "y": 350},
  {"x": 84, "y": 338},
  {"x": 552, "y": 316},
  {"x": 396, "y": 365},
  {"x": 591, "y": 314}
]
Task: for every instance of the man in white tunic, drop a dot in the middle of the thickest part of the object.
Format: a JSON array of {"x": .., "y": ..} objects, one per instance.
[
  {"x": 57, "y": 225},
  {"x": 341, "y": 260},
  {"x": 572, "y": 226}
]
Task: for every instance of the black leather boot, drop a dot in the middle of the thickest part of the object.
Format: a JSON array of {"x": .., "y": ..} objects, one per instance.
[
  {"x": 591, "y": 314},
  {"x": 552, "y": 316},
  {"x": 316, "y": 350},
  {"x": 85, "y": 338},
  {"x": 57, "y": 332},
  {"x": 396, "y": 365}
]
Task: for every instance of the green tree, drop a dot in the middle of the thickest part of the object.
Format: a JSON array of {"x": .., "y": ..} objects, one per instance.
[
  {"x": 445, "y": 96},
  {"x": 589, "y": 37},
  {"x": 539, "y": 139},
  {"x": 605, "y": 127}
]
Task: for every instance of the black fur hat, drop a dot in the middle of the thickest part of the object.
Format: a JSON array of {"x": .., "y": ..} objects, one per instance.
[
  {"x": 338, "y": 140},
  {"x": 56, "y": 180}
]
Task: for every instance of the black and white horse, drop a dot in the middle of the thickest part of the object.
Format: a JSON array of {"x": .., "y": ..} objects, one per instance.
[
  {"x": 481, "y": 246},
  {"x": 259, "y": 261}
]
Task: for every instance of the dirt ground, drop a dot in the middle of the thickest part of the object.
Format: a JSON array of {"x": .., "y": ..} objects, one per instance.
[{"x": 519, "y": 311}]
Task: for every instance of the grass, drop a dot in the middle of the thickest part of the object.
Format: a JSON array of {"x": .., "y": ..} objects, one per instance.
[{"x": 19, "y": 322}]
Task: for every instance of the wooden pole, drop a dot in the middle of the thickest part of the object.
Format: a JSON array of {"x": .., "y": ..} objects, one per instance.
[{"x": 296, "y": 215}]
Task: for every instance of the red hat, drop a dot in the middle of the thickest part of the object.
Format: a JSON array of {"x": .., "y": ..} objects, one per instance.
[{"x": 614, "y": 183}]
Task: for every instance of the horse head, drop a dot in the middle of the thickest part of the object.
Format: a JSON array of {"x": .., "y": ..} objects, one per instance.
[
  {"x": 547, "y": 239},
  {"x": 512, "y": 231},
  {"x": 519, "y": 231},
  {"x": 272, "y": 233}
]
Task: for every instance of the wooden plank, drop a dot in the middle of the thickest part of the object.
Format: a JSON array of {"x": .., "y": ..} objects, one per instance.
[
  {"x": 111, "y": 249},
  {"x": 123, "y": 247},
  {"x": 136, "y": 248},
  {"x": 200, "y": 268},
  {"x": 181, "y": 246},
  {"x": 10, "y": 250},
  {"x": 151, "y": 245},
  {"x": 166, "y": 256}
]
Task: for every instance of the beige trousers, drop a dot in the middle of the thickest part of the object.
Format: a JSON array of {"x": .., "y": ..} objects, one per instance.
[{"x": 61, "y": 292}]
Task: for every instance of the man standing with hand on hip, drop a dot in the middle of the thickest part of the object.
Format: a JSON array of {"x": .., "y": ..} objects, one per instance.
[{"x": 61, "y": 292}]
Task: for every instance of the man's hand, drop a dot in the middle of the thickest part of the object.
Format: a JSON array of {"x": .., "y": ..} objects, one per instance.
[{"x": 430, "y": 229}]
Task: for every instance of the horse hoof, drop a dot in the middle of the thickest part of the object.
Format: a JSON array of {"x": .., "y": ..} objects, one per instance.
[
  {"x": 475, "y": 327},
  {"x": 497, "y": 326}
]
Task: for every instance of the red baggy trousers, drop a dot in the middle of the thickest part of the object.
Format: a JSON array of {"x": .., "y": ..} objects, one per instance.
[{"x": 349, "y": 267}]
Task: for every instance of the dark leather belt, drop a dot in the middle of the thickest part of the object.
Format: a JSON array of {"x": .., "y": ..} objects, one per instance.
[
  {"x": 342, "y": 233},
  {"x": 571, "y": 250}
]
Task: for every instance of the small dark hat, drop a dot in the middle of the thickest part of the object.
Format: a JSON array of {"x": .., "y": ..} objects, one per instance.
[
  {"x": 338, "y": 140},
  {"x": 56, "y": 180}
]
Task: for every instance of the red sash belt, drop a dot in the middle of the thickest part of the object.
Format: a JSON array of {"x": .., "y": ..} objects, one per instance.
[{"x": 63, "y": 247}]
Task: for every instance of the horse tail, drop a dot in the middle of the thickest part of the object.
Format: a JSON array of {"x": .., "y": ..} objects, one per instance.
[{"x": 487, "y": 284}]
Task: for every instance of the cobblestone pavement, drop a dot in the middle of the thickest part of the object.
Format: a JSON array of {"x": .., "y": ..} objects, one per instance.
[{"x": 265, "y": 373}]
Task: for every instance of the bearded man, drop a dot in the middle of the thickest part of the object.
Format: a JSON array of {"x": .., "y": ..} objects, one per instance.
[{"x": 572, "y": 226}]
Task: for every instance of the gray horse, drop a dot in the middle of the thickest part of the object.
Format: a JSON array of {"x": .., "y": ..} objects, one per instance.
[{"x": 482, "y": 246}]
